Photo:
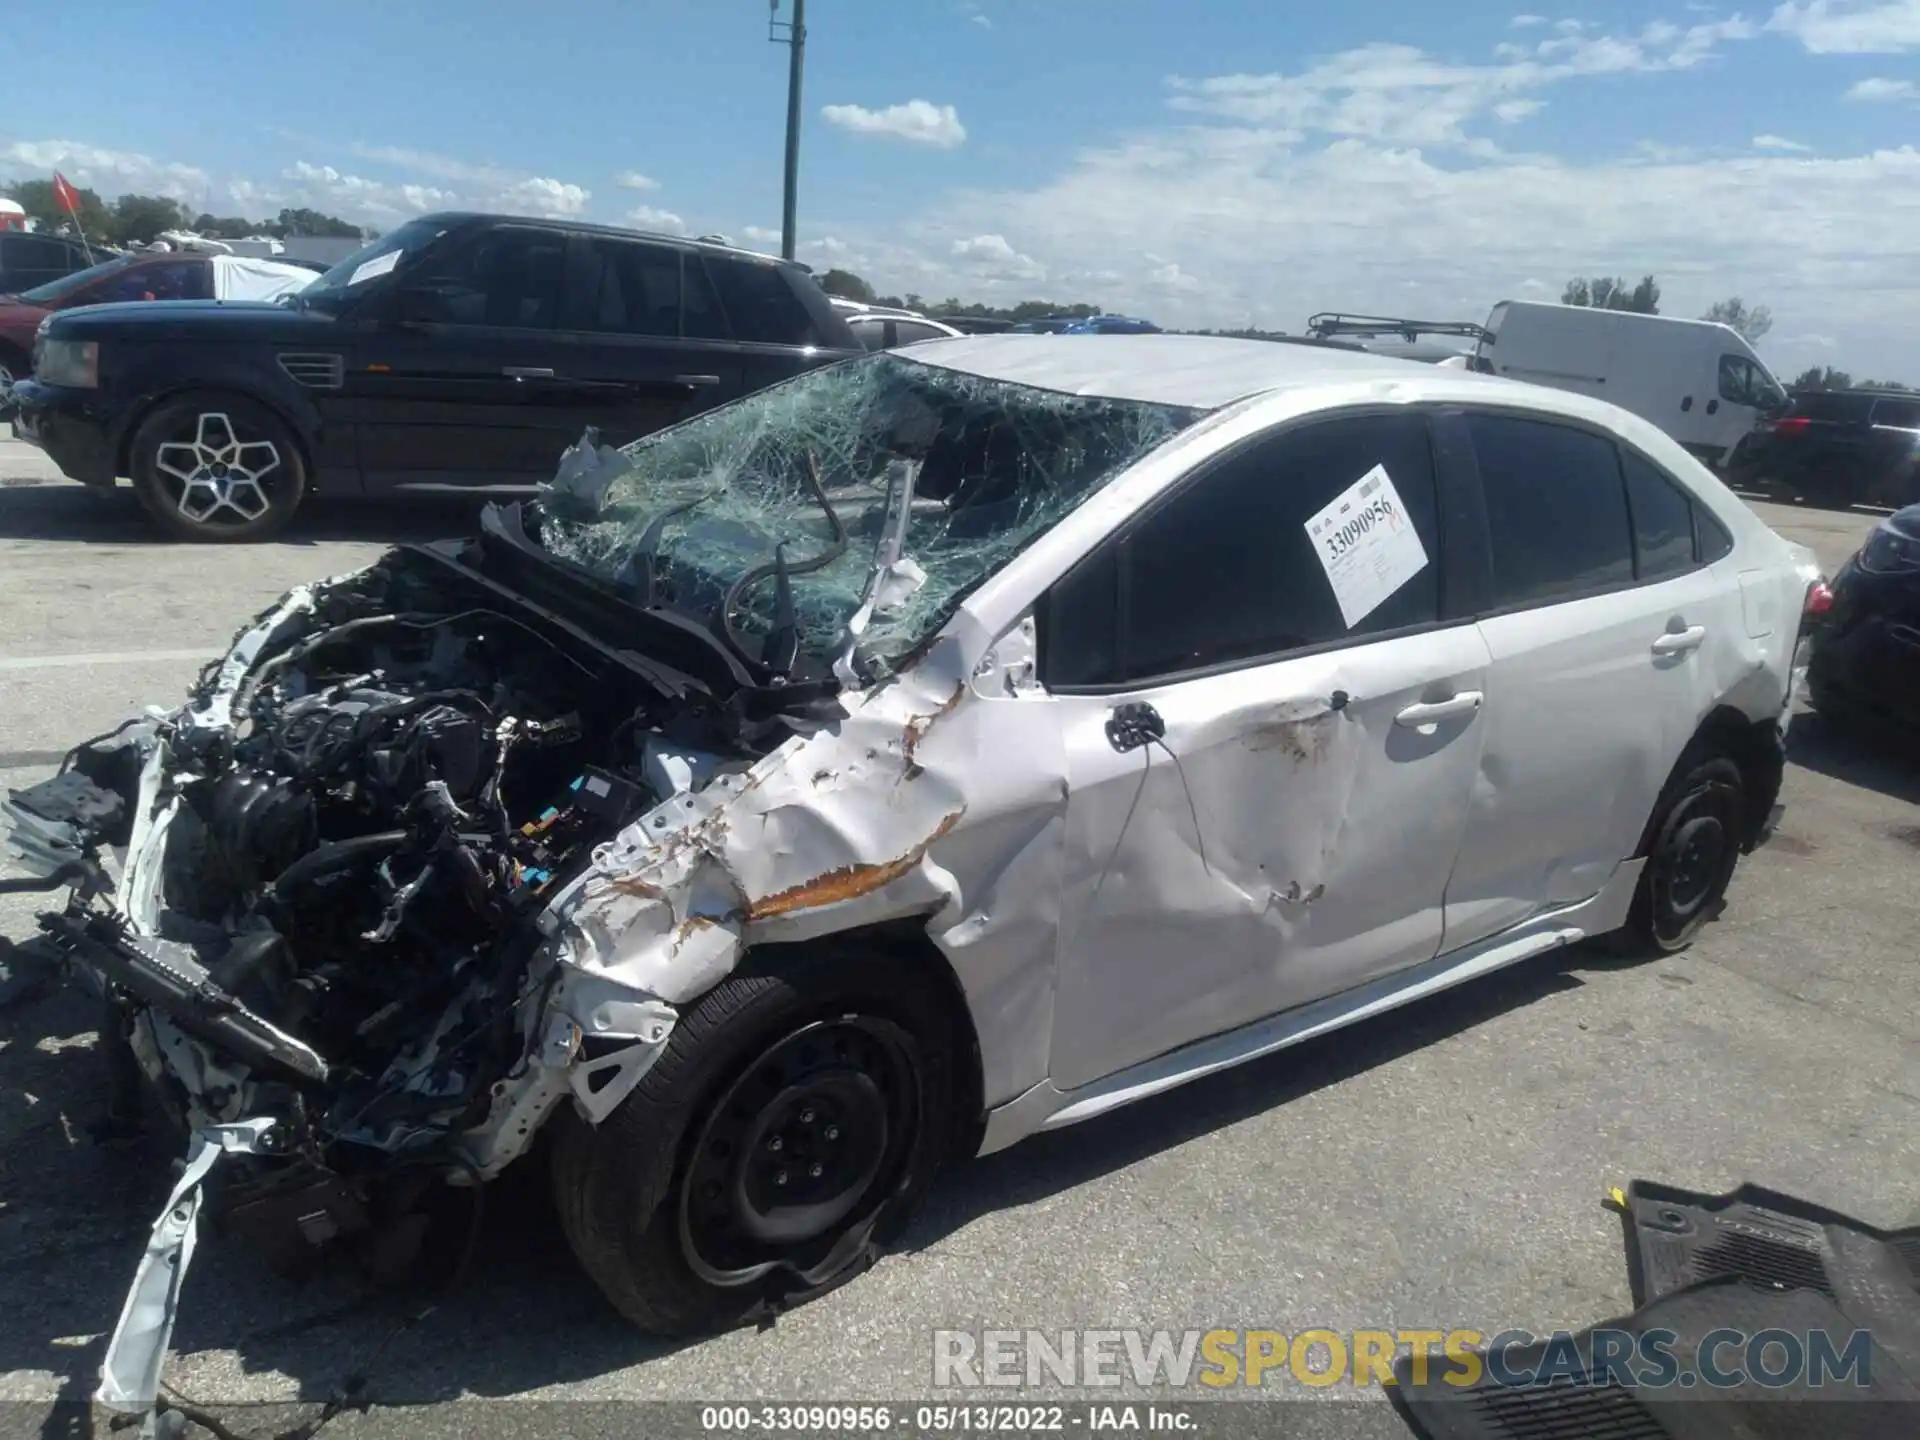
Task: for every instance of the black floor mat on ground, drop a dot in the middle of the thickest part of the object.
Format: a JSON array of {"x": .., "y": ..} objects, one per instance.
[{"x": 1701, "y": 1268}]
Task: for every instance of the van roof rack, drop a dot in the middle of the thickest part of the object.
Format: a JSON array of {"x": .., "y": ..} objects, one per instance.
[{"x": 1330, "y": 323}]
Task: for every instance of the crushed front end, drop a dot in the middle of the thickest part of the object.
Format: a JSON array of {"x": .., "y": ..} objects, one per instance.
[{"x": 318, "y": 897}]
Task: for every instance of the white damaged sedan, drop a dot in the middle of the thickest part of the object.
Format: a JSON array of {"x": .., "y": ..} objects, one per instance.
[{"x": 925, "y": 752}]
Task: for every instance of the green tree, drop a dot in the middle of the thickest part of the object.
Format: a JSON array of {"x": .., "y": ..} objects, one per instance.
[
  {"x": 301, "y": 221},
  {"x": 1733, "y": 312},
  {"x": 847, "y": 285},
  {"x": 36, "y": 198},
  {"x": 1821, "y": 377},
  {"x": 139, "y": 219},
  {"x": 225, "y": 227},
  {"x": 1604, "y": 293}
]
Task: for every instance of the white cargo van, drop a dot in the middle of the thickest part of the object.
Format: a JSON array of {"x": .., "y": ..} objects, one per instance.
[{"x": 1697, "y": 380}]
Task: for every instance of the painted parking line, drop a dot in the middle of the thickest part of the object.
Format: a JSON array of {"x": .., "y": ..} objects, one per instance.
[{"x": 10, "y": 664}]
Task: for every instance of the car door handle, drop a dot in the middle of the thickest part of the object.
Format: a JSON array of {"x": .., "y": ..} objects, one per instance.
[
  {"x": 1678, "y": 642},
  {"x": 697, "y": 380},
  {"x": 1431, "y": 712},
  {"x": 528, "y": 372}
]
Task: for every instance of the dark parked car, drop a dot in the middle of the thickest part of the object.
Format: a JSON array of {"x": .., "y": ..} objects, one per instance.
[
  {"x": 1836, "y": 447},
  {"x": 28, "y": 259},
  {"x": 1865, "y": 659},
  {"x": 136, "y": 277},
  {"x": 459, "y": 352}
]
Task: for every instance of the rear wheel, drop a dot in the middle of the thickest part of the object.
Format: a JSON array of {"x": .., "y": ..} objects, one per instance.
[
  {"x": 773, "y": 1148},
  {"x": 1693, "y": 846},
  {"x": 219, "y": 468}
]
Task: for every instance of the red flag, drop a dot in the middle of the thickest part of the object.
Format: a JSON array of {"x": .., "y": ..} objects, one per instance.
[{"x": 66, "y": 195}]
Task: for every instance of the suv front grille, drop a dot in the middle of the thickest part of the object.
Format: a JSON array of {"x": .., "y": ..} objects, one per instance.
[{"x": 317, "y": 372}]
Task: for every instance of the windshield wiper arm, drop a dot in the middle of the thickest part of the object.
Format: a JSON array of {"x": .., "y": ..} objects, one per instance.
[
  {"x": 783, "y": 619},
  {"x": 640, "y": 572}
]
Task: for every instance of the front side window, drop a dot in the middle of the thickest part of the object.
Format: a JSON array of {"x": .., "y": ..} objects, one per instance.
[
  {"x": 1556, "y": 509},
  {"x": 1744, "y": 383},
  {"x": 508, "y": 278},
  {"x": 1228, "y": 570}
]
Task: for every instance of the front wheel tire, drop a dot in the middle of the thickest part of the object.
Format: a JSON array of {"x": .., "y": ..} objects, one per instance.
[
  {"x": 217, "y": 468},
  {"x": 797, "y": 1114}
]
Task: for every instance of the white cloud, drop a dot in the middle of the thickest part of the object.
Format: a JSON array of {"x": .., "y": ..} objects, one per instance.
[
  {"x": 1851, "y": 27},
  {"x": 110, "y": 172},
  {"x": 1399, "y": 93},
  {"x": 975, "y": 14},
  {"x": 1525, "y": 22},
  {"x": 355, "y": 197},
  {"x": 991, "y": 256},
  {"x": 1880, "y": 90},
  {"x": 1781, "y": 144},
  {"x": 442, "y": 167},
  {"x": 1824, "y": 242},
  {"x": 648, "y": 217},
  {"x": 634, "y": 180},
  {"x": 1512, "y": 110},
  {"x": 919, "y": 121},
  {"x": 538, "y": 195}
]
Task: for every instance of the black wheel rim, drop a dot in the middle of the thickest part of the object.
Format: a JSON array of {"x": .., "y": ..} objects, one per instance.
[
  {"x": 801, "y": 1153},
  {"x": 218, "y": 472},
  {"x": 1694, "y": 858}
]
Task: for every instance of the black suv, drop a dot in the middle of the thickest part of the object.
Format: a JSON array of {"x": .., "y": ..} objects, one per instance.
[
  {"x": 1836, "y": 447},
  {"x": 459, "y": 352},
  {"x": 28, "y": 258}
]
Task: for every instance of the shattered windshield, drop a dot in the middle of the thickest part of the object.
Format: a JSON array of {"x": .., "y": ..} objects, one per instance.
[{"x": 890, "y": 488}]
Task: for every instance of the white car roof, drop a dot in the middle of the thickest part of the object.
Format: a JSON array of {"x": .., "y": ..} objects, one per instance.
[{"x": 1201, "y": 372}]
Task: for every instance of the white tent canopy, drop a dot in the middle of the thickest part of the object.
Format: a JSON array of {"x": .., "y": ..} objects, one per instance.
[{"x": 241, "y": 277}]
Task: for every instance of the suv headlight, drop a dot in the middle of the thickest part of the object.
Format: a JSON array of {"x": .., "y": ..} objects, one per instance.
[
  {"x": 1887, "y": 550},
  {"x": 74, "y": 363}
]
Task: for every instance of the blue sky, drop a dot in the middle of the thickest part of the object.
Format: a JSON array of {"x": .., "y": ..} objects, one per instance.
[{"x": 1203, "y": 162}]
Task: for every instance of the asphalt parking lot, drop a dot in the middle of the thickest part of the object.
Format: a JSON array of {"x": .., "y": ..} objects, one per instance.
[{"x": 1440, "y": 1167}]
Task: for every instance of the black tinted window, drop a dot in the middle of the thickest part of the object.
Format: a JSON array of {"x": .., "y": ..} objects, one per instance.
[
  {"x": 701, "y": 316},
  {"x": 872, "y": 334},
  {"x": 1662, "y": 519},
  {"x": 906, "y": 332},
  {"x": 1225, "y": 569},
  {"x": 35, "y": 252},
  {"x": 1556, "y": 510},
  {"x": 760, "y": 302},
  {"x": 170, "y": 280},
  {"x": 624, "y": 287},
  {"x": 1902, "y": 414},
  {"x": 1737, "y": 382},
  {"x": 509, "y": 278},
  {"x": 1834, "y": 406}
]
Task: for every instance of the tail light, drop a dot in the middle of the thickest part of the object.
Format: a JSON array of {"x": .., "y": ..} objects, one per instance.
[
  {"x": 1819, "y": 600},
  {"x": 1791, "y": 425}
]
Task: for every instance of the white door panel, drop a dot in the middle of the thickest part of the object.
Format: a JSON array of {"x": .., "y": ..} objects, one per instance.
[
  {"x": 1272, "y": 850},
  {"x": 1589, "y": 705}
]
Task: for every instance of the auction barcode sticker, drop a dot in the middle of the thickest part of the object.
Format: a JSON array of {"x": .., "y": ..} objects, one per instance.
[{"x": 1367, "y": 545}]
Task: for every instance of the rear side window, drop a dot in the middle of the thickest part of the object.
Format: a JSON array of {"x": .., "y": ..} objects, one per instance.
[
  {"x": 1224, "y": 570},
  {"x": 625, "y": 287},
  {"x": 872, "y": 334},
  {"x": 1901, "y": 414},
  {"x": 1556, "y": 509},
  {"x": 760, "y": 302},
  {"x": 909, "y": 331},
  {"x": 1833, "y": 407},
  {"x": 1662, "y": 519},
  {"x": 167, "y": 280}
]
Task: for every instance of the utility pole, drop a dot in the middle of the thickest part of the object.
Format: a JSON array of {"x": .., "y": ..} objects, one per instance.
[{"x": 794, "y": 36}]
